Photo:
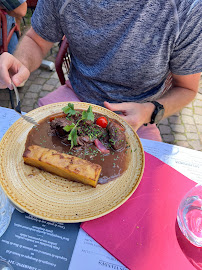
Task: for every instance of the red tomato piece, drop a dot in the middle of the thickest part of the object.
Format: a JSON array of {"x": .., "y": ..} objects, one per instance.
[{"x": 102, "y": 122}]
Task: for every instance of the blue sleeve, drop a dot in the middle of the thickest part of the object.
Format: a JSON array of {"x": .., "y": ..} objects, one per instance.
[
  {"x": 186, "y": 57},
  {"x": 46, "y": 21},
  {"x": 11, "y": 5}
]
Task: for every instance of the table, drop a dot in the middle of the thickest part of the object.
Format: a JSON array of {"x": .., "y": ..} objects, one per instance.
[{"x": 83, "y": 252}]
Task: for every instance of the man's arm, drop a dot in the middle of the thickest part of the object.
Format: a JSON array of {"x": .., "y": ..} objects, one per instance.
[
  {"x": 185, "y": 88},
  {"x": 29, "y": 54},
  {"x": 183, "y": 92},
  {"x": 32, "y": 50}
]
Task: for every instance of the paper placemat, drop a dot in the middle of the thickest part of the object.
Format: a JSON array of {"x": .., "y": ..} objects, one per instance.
[{"x": 143, "y": 233}]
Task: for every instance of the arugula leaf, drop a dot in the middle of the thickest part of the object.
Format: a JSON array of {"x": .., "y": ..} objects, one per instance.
[
  {"x": 69, "y": 109},
  {"x": 88, "y": 115}
]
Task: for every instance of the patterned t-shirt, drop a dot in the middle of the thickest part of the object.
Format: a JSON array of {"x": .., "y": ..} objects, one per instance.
[{"x": 123, "y": 50}]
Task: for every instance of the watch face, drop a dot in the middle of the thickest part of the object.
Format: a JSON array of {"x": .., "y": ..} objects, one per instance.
[{"x": 159, "y": 115}]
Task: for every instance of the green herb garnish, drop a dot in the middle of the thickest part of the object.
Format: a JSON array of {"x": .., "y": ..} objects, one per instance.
[
  {"x": 86, "y": 115},
  {"x": 68, "y": 128},
  {"x": 73, "y": 137},
  {"x": 69, "y": 109}
]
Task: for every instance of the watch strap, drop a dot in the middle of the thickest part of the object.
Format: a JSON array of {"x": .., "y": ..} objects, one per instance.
[{"x": 156, "y": 110}]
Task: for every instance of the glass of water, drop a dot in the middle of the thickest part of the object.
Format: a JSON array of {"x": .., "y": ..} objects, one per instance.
[
  {"x": 189, "y": 215},
  {"x": 5, "y": 265},
  {"x": 5, "y": 212}
]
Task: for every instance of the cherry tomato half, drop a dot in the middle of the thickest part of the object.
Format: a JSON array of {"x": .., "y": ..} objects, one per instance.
[{"x": 102, "y": 122}]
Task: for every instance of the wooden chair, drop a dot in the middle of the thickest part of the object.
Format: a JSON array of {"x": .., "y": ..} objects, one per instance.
[
  {"x": 6, "y": 38},
  {"x": 62, "y": 61},
  {"x": 32, "y": 4}
]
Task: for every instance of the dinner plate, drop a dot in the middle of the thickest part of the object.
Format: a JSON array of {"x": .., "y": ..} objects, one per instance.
[{"x": 54, "y": 198}]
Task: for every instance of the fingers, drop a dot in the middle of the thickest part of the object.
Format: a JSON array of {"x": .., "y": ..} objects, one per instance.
[
  {"x": 10, "y": 67},
  {"x": 131, "y": 120},
  {"x": 115, "y": 106},
  {"x": 5, "y": 80},
  {"x": 21, "y": 76},
  {"x": 131, "y": 112}
]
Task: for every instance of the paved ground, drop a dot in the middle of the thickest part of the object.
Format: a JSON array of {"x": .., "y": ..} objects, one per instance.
[{"x": 183, "y": 129}]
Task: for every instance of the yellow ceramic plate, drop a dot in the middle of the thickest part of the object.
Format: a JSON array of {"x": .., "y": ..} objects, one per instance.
[{"x": 53, "y": 198}]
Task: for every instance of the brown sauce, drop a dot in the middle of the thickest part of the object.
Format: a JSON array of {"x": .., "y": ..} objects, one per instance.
[{"x": 113, "y": 164}]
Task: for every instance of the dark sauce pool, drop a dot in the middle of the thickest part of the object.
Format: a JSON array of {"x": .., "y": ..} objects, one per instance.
[{"x": 113, "y": 164}]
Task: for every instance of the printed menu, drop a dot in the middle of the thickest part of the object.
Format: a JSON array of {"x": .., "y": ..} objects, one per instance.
[
  {"x": 36, "y": 244},
  {"x": 92, "y": 256}
]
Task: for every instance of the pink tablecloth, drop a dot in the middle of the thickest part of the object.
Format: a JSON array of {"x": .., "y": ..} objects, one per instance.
[{"x": 143, "y": 233}]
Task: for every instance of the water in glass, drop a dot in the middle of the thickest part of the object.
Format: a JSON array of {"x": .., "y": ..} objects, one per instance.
[
  {"x": 5, "y": 265},
  {"x": 189, "y": 215},
  {"x": 5, "y": 212}
]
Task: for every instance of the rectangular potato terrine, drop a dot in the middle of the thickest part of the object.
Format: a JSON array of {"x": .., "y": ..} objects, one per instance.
[{"x": 67, "y": 166}]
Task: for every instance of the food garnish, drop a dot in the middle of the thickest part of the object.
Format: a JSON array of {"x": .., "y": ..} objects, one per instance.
[
  {"x": 102, "y": 121},
  {"x": 86, "y": 115}
]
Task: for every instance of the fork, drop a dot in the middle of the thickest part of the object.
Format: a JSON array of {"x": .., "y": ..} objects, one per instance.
[{"x": 17, "y": 107}]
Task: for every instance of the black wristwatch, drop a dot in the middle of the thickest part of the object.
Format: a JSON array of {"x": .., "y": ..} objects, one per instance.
[{"x": 158, "y": 112}]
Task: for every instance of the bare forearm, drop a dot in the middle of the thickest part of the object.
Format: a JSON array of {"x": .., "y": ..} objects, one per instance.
[
  {"x": 31, "y": 50},
  {"x": 183, "y": 92},
  {"x": 176, "y": 99},
  {"x": 29, "y": 53}
]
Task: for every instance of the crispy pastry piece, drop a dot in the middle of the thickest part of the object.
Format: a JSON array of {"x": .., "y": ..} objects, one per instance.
[{"x": 67, "y": 166}]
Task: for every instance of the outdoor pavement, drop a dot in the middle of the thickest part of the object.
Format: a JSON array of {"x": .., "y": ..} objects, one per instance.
[{"x": 183, "y": 129}]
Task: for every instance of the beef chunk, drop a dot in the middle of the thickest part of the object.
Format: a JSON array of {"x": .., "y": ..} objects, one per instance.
[
  {"x": 117, "y": 136},
  {"x": 58, "y": 124},
  {"x": 83, "y": 140},
  {"x": 92, "y": 130}
]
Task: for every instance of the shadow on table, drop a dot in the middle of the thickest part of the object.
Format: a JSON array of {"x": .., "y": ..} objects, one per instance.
[{"x": 193, "y": 253}]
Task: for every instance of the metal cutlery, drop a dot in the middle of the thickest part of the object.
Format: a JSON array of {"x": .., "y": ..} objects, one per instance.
[{"x": 17, "y": 108}]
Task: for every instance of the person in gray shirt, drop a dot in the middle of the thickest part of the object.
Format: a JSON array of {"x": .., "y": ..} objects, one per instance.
[{"x": 124, "y": 55}]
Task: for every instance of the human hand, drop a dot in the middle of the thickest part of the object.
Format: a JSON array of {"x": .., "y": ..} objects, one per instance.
[
  {"x": 136, "y": 114},
  {"x": 11, "y": 68}
]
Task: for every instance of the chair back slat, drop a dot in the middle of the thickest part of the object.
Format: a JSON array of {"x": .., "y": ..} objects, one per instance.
[
  {"x": 5, "y": 38},
  {"x": 62, "y": 61},
  {"x": 3, "y": 25}
]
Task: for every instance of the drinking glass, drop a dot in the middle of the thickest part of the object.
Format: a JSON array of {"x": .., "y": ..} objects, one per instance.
[
  {"x": 5, "y": 265},
  {"x": 189, "y": 215},
  {"x": 5, "y": 212}
]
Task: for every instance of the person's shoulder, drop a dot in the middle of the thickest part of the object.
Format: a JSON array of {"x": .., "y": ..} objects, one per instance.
[
  {"x": 56, "y": 2},
  {"x": 54, "y": 5},
  {"x": 187, "y": 6},
  {"x": 188, "y": 12}
]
